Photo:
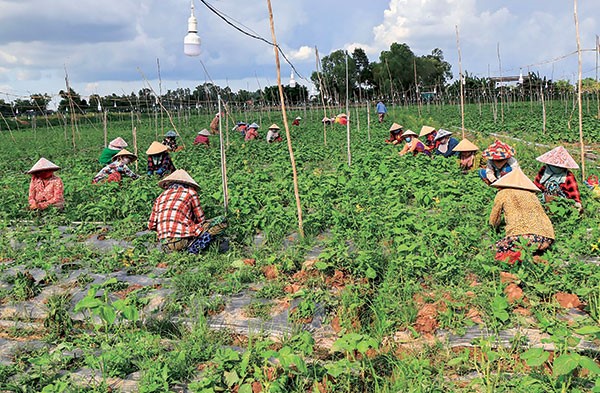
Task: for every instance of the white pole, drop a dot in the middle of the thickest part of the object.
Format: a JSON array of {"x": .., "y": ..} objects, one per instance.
[
  {"x": 348, "y": 113},
  {"x": 223, "y": 160}
]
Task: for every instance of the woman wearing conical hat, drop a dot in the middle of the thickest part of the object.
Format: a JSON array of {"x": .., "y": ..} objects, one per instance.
[
  {"x": 273, "y": 134},
  {"x": 115, "y": 171},
  {"x": 467, "y": 152},
  {"x": 501, "y": 161},
  {"x": 251, "y": 132},
  {"x": 413, "y": 144},
  {"x": 445, "y": 144},
  {"x": 395, "y": 134},
  {"x": 341, "y": 119},
  {"x": 46, "y": 189},
  {"x": 170, "y": 141},
  {"x": 178, "y": 218},
  {"x": 202, "y": 138},
  {"x": 429, "y": 133},
  {"x": 296, "y": 121},
  {"x": 115, "y": 146},
  {"x": 159, "y": 161},
  {"x": 555, "y": 179},
  {"x": 524, "y": 215}
]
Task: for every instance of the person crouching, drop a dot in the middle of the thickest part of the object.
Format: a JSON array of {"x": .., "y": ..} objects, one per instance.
[
  {"x": 178, "y": 218},
  {"x": 114, "y": 171},
  {"x": 46, "y": 189},
  {"x": 159, "y": 161}
]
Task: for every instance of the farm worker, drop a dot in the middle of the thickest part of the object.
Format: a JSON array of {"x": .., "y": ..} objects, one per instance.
[
  {"x": 413, "y": 144},
  {"x": 241, "y": 127},
  {"x": 214, "y": 124},
  {"x": 467, "y": 151},
  {"x": 500, "y": 162},
  {"x": 342, "y": 119},
  {"x": 296, "y": 121},
  {"x": 273, "y": 134},
  {"x": 251, "y": 132},
  {"x": 177, "y": 216},
  {"x": 395, "y": 134},
  {"x": 114, "y": 171},
  {"x": 381, "y": 111},
  {"x": 45, "y": 189},
  {"x": 445, "y": 144},
  {"x": 202, "y": 138},
  {"x": 115, "y": 146},
  {"x": 171, "y": 142},
  {"x": 555, "y": 179},
  {"x": 524, "y": 215},
  {"x": 327, "y": 121},
  {"x": 430, "y": 133},
  {"x": 159, "y": 161}
]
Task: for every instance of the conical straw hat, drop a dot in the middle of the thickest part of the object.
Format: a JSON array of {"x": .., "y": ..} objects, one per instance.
[
  {"x": 516, "y": 179},
  {"x": 171, "y": 134},
  {"x": 118, "y": 143},
  {"x": 395, "y": 127},
  {"x": 409, "y": 132},
  {"x": 498, "y": 151},
  {"x": 560, "y": 157},
  {"x": 204, "y": 132},
  {"x": 441, "y": 134},
  {"x": 43, "y": 165},
  {"x": 274, "y": 127},
  {"x": 254, "y": 125},
  {"x": 426, "y": 130},
  {"x": 125, "y": 152},
  {"x": 156, "y": 148},
  {"x": 179, "y": 176},
  {"x": 466, "y": 145}
]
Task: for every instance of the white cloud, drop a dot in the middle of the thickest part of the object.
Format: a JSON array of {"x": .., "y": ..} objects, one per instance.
[{"x": 303, "y": 53}]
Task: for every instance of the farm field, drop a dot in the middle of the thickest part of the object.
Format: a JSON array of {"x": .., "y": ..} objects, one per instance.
[{"x": 394, "y": 286}]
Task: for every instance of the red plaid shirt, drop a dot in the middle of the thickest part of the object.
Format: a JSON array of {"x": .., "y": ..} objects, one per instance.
[
  {"x": 569, "y": 187},
  {"x": 177, "y": 213}
]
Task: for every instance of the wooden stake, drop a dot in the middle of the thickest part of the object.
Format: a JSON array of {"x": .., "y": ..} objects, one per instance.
[
  {"x": 581, "y": 145},
  {"x": 135, "y": 148},
  {"x": 71, "y": 109},
  {"x": 462, "y": 88},
  {"x": 285, "y": 123},
  {"x": 223, "y": 160},
  {"x": 104, "y": 127},
  {"x": 348, "y": 120},
  {"x": 368, "y": 121},
  {"x": 318, "y": 61}
]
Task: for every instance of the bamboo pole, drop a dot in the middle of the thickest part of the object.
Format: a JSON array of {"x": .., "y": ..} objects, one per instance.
[
  {"x": 105, "y": 128},
  {"x": 417, "y": 87},
  {"x": 543, "y": 111},
  {"x": 581, "y": 145},
  {"x": 135, "y": 147},
  {"x": 9, "y": 129},
  {"x": 318, "y": 61},
  {"x": 285, "y": 123},
  {"x": 501, "y": 81},
  {"x": 72, "y": 109},
  {"x": 462, "y": 88},
  {"x": 348, "y": 120},
  {"x": 368, "y": 121},
  {"x": 223, "y": 160}
]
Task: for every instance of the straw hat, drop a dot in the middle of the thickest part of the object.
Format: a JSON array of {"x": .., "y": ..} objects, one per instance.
[
  {"x": 118, "y": 143},
  {"x": 274, "y": 127},
  {"x": 516, "y": 179},
  {"x": 125, "y": 153},
  {"x": 171, "y": 134},
  {"x": 240, "y": 123},
  {"x": 441, "y": 134},
  {"x": 254, "y": 125},
  {"x": 179, "y": 176},
  {"x": 204, "y": 132},
  {"x": 298, "y": 118},
  {"x": 498, "y": 151},
  {"x": 426, "y": 130},
  {"x": 409, "y": 133},
  {"x": 43, "y": 165},
  {"x": 560, "y": 157},
  {"x": 395, "y": 127},
  {"x": 342, "y": 115},
  {"x": 325, "y": 119},
  {"x": 466, "y": 145},
  {"x": 156, "y": 148}
]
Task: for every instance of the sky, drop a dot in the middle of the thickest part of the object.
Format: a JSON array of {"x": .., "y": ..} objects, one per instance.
[{"x": 116, "y": 47}]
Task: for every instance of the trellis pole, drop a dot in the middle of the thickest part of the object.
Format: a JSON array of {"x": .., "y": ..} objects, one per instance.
[
  {"x": 318, "y": 62},
  {"x": 348, "y": 114},
  {"x": 581, "y": 145},
  {"x": 223, "y": 160},
  {"x": 285, "y": 123},
  {"x": 462, "y": 89}
]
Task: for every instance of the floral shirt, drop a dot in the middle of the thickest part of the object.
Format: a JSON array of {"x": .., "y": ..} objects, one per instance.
[
  {"x": 171, "y": 143},
  {"x": 46, "y": 192},
  {"x": 177, "y": 213},
  {"x": 160, "y": 164},
  {"x": 113, "y": 167}
]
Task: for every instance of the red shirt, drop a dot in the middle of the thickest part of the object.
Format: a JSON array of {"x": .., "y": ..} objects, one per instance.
[
  {"x": 569, "y": 187},
  {"x": 202, "y": 140},
  {"x": 177, "y": 213},
  {"x": 46, "y": 192}
]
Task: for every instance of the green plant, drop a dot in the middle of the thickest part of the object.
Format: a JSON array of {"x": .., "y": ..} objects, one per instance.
[{"x": 58, "y": 321}]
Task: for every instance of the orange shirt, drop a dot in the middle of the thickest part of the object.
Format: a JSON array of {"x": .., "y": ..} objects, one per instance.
[{"x": 46, "y": 192}]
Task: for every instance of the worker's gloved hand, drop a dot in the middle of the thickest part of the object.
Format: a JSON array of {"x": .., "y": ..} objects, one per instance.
[
  {"x": 160, "y": 172},
  {"x": 579, "y": 207},
  {"x": 149, "y": 173}
]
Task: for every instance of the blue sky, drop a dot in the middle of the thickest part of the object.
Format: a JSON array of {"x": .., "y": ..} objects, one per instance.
[{"x": 112, "y": 46}]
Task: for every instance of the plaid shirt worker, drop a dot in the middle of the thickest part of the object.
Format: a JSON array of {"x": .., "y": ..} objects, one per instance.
[
  {"x": 177, "y": 213},
  {"x": 568, "y": 188}
]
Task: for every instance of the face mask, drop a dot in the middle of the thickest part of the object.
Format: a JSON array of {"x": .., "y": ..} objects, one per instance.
[{"x": 407, "y": 140}]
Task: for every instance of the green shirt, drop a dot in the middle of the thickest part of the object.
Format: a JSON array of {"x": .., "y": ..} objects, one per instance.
[{"x": 107, "y": 155}]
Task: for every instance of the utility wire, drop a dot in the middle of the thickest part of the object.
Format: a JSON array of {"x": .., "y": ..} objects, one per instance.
[{"x": 252, "y": 35}]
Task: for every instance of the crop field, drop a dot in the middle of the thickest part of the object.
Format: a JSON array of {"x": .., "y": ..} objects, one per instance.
[{"x": 393, "y": 288}]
